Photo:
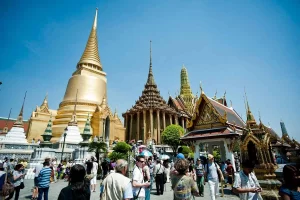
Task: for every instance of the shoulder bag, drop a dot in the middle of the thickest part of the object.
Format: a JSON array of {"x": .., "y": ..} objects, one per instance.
[{"x": 7, "y": 187}]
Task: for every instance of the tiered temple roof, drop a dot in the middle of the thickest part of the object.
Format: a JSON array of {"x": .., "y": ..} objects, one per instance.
[
  {"x": 178, "y": 104},
  {"x": 150, "y": 98}
]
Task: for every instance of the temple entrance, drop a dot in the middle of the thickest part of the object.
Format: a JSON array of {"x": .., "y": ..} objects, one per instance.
[{"x": 252, "y": 152}]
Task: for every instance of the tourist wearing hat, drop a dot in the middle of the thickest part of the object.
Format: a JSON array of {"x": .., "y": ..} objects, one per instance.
[
  {"x": 213, "y": 172},
  {"x": 246, "y": 183}
]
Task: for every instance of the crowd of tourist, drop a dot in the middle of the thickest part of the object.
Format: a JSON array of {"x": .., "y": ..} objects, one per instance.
[{"x": 187, "y": 179}]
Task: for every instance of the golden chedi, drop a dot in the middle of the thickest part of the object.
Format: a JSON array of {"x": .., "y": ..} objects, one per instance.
[{"x": 89, "y": 80}]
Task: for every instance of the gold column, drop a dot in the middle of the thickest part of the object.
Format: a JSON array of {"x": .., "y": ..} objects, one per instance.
[
  {"x": 144, "y": 124},
  {"x": 138, "y": 126},
  {"x": 182, "y": 122},
  {"x": 131, "y": 121},
  {"x": 158, "y": 128},
  {"x": 171, "y": 120},
  {"x": 164, "y": 120},
  {"x": 151, "y": 124},
  {"x": 127, "y": 136}
]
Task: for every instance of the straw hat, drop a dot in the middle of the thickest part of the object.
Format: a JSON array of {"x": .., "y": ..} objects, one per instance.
[{"x": 210, "y": 156}]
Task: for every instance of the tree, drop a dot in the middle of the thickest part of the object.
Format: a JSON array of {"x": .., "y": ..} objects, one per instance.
[
  {"x": 122, "y": 147},
  {"x": 97, "y": 147},
  {"x": 117, "y": 155},
  {"x": 171, "y": 136},
  {"x": 186, "y": 151}
]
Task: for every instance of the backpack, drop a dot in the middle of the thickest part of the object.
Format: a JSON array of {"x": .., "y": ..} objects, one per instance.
[{"x": 181, "y": 190}]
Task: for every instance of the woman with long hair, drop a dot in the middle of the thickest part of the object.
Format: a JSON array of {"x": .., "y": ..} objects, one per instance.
[
  {"x": 290, "y": 189},
  {"x": 78, "y": 188}
]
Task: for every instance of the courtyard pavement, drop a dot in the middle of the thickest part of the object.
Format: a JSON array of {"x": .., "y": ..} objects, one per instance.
[{"x": 168, "y": 194}]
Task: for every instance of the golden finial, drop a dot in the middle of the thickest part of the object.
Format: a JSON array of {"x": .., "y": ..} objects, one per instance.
[
  {"x": 150, "y": 53},
  {"x": 259, "y": 116},
  {"x": 215, "y": 97},
  {"x": 201, "y": 89},
  {"x": 224, "y": 94},
  {"x": 21, "y": 111},
  {"x": 169, "y": 92},
  {"x": 231, "y": 104}
]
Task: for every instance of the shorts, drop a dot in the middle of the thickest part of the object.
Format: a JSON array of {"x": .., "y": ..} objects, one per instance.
[
  {"x": 94, "y": 180},
  {"x": 36, "y": 181}
]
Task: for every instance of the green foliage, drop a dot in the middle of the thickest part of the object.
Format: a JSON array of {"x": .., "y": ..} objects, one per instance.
[
  {"x": 117, "y": 155},
  {"x": 217, "y": 155},
  {"x": 171, "y": 136},
  {"x": 122, "y": 147},
  {"x": 97, "y": 147},
  {"x": 186, "y": 151},
  {"x": 191, "y": 155}
]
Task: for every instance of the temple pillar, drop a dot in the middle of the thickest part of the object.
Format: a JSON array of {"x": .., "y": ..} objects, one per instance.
[
  {"x": 144, "y": 125},
  {"x": 151, "y": 124},
  {"x": 176, "y": 120},
  {"x": 158, "y": 129},
  {"x": 182, "y": 122},
  {"x": 164, "y": 120},
  {"x": 131, "y": 122},
  {"x": 170, "y": 116},
  {"x": 138, "y": 126}
]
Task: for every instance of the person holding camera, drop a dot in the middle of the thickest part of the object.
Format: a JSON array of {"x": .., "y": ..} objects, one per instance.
[{"x": 246, "y": 184}]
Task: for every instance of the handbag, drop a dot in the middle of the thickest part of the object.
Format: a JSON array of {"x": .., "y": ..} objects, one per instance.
[
  {"x": 137, "y": 196},
  {"x": 7, "y": 187},
  {"x": 22, "y": 186}
]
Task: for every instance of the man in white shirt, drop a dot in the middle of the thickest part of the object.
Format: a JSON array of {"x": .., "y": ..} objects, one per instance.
[
  {"x": 116, "y": 186},
  {"x": 138, "y": 179},
  {"x": 246, "y": 184},
  {"x": 212, "y": 172}
]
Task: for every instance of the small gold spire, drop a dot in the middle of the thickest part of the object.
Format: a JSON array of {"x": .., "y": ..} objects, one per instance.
[
  {"x": 215, "y": 97},
  {"x": 224, "y": 95},
  {"x": 201, "y": 89},
  {"x": 91, "y": 53},
  {"x": 19, "y": 121},
  {"x": 231, "y": 104},
  {"x": 5, "y": 129},
  {"x": 259, "y": 116}
]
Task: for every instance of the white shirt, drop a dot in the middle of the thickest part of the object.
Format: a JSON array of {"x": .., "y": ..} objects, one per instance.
[
  {"x": 95, "y": 168},
  {"x": 137, "y": 175},
  {"x": 212, "y": 173},
  {"x": 38, "y": 169},
  {"x": 244, "y": 181}
]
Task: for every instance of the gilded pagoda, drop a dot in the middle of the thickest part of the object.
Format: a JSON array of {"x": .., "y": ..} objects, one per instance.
[
  {"x": 88, "y": 82},
  {"x": 183, "y": 103},
  {"x": 150, "y": 115}
]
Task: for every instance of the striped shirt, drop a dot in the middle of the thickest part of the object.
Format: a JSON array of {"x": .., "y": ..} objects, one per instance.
[{"x": 44, "y": 177}]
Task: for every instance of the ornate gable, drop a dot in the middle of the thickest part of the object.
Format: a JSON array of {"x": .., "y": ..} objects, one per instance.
[{"x": 206, "y": 116}]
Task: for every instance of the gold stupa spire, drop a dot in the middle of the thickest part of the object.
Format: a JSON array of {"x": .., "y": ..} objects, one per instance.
[
  {"x": 73, "y": 121},
  {"x": 90, "y": 55}
]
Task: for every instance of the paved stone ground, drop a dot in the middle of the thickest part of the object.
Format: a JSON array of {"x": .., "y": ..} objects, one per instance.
[{"x": 168, "y": 194}]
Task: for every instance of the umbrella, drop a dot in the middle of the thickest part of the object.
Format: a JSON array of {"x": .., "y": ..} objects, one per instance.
[
  {"x": 107, "y": 159},
  {"x": 164, "y": 157},
  {"x": 146, "y": 153}
]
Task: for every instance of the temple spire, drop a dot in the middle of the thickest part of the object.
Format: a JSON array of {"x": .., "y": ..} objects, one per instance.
[
  {"x": 90, "y": 55},
  {"x": 150, "y": 80},
  {"x": 19, "y": 122},
  {"x": 250, "y": 117},
  {"x": 283, "y": 129},
  {"x": 185, "y": 88}
]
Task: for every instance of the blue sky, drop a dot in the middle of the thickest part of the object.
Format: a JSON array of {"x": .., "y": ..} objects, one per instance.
[{"x": 228, "y": 45}]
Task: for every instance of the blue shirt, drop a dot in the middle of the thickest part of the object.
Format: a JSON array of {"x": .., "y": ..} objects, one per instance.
[{"x": 44, "y": 177}]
